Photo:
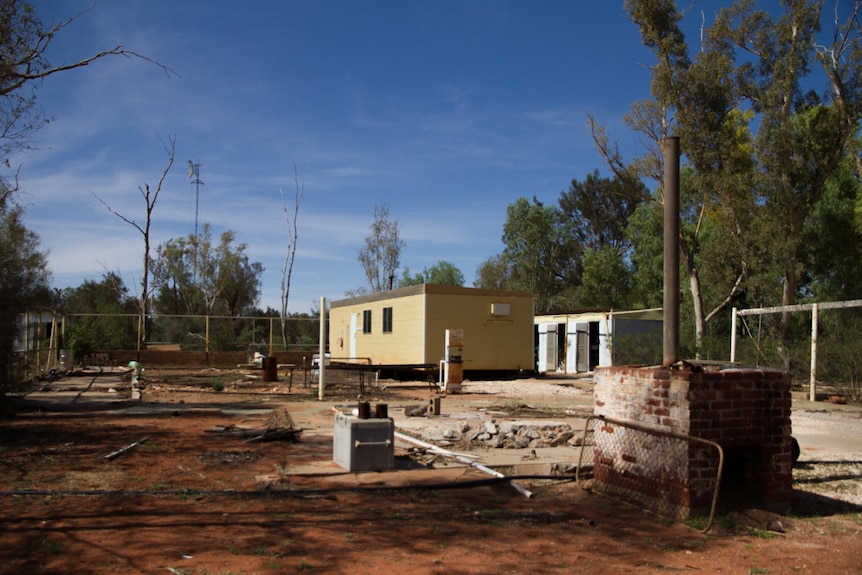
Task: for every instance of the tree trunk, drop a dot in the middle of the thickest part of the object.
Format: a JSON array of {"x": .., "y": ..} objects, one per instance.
[{"x": 699, "y": 323}]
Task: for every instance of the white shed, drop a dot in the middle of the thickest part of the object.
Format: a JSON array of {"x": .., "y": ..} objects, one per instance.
[{"x": 579, "y": 342}]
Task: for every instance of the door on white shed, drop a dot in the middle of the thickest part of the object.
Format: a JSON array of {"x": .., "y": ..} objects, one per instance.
[
  {"x": 547, "y": 359},
  {"x": 582, "y": 341}
]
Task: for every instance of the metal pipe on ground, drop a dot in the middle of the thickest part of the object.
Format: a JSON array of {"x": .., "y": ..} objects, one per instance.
[{"x": 463, "y": 459}]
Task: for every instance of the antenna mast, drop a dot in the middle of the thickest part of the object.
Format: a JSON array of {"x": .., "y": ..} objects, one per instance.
[{"x": 195, "y": 174}]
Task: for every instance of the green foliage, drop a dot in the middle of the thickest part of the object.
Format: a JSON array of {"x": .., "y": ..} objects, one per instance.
[
  {"x": 835, "y": 274},
  {"x": 495, "y": 273},
  {"x": 574, "y": 255},
  {"x": 760, "y": 151},
  {"x": 645, "y": 233},
  {"x": 113, "y": 324},
  {"x": 599, "y": 210},
  {"x": 23, "y": 281},
  {"x": 607, "y": 280},
  {"x": 197, "y": 277},
  {"x": 441, "y": 273},
  {"x": 541, "y": 253},
  {"x": 639, "y": 348},
  {"x": 24, "y": 41},
  {"x": 838, "y": 342}
]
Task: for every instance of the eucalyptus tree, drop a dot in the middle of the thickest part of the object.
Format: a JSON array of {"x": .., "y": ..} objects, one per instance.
[
  {"x": 803, "y": 134},
  {"x": 174, "y": 275},
  {"x": 441, "y": 273},
  {"x": 598, "y": 210},
  {"x": 103, "y": 303},
  {"x": 24, "y": 281},
  {"x": 495, "y": 273},
  {"x": 380, "y": 257},
  {"x": 542, "y": 252},
  {"x": 692, "y": 99},
  {"x": 761, "y": 147},
  {"x": 197, "y": 276},
  {"x": 830, "y": 273}
]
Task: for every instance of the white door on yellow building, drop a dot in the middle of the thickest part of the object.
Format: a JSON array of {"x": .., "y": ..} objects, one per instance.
[{"x": 351, "y": 337}]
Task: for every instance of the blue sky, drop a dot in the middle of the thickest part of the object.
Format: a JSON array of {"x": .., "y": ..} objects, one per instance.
[{"x": 447, "y": 111}]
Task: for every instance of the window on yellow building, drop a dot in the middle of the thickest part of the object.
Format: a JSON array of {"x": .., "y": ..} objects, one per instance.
[{"x": 387, "y": 320}]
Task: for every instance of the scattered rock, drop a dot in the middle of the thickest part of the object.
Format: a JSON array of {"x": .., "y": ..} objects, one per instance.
[
  {"x": 563, "y": 468},
  {"x": 561, "y": 438},
  {"x": 577, "y": 440},
  {"x": 491, "y": 428},
  {"x": 415, "y": 410},
  {"x": 520, "y": 435},
  {"x": 508, "y": 427}
]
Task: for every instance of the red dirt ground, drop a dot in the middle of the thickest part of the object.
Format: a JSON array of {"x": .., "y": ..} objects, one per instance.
[{"x": 191, "y": 502}]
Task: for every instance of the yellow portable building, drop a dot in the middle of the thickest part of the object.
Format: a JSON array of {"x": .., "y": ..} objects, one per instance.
[{"x": 408, "y": 326}]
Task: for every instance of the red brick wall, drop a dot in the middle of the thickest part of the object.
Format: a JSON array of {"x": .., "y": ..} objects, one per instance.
[{"x": 745, "y": 411}]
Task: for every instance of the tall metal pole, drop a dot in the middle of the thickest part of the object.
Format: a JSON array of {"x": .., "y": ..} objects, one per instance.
[
  {"x": 195, "y": 172},
  {"x": 321, "y": 366},
  {"x": 671, "y": 251}
]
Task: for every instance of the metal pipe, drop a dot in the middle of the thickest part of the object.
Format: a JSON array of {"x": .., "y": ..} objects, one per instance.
[
  {"x": 463, "y": 459},
  {"x": 660, "y": 433},
  {"x": 671, "y": 251},
  {"x": 322, "y": 363}
]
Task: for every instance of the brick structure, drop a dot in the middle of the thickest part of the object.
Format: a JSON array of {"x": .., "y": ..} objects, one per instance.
[{"x": 745, "y": 411}]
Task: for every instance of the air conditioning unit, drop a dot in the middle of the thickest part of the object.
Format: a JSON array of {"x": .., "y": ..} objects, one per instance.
[{"x": 501, "y": 309}]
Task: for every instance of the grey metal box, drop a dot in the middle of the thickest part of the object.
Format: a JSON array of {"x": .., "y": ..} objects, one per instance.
[{"x": 363, "y": 444}]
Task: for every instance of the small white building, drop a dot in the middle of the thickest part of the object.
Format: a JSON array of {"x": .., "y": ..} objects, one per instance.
[{"x": 579, "y": 342}]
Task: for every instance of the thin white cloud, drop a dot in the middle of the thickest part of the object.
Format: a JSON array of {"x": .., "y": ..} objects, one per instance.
[{"x": 446, "y": 114}]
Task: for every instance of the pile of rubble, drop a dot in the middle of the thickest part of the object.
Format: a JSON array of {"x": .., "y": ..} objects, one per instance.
[{"x": 516, "y": 434}]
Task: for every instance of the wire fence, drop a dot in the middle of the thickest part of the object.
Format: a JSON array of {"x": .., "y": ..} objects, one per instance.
[
  {"x": 666, "y": 472},
  {"x": 49, "y": 339},
  {"x": 819, "y": 346}
]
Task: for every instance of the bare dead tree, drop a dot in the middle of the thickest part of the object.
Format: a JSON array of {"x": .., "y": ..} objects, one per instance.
[
  {"x": 150, "y": 197},
  {"x": 292, "y": 235},
  {"x": 381, "y": 254},
  {"x": 24, "y": 41}
]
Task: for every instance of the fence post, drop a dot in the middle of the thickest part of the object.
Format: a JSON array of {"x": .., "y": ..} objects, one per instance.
[
  {"x": 812, "y": 391},
  {"x": 270, "y": 337},
  {"x": 733, "y": 335}
]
